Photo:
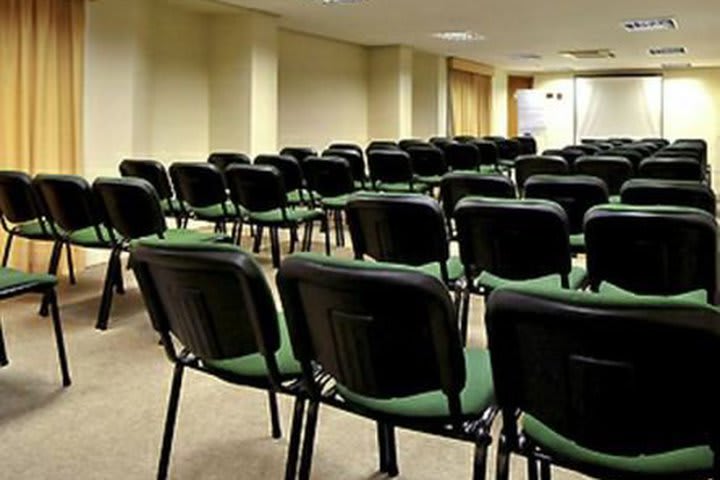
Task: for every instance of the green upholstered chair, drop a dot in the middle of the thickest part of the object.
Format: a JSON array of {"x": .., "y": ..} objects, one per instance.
[
  {"x": 292, "y": 174},
  {"x": 14, "y": 283},
  {"x": 381, "y": 341},
  {"x": 465, "y": 156},
  {"x": 677, "y": 168},
  {"x": 155, "y": 173},
  {"x": 354, "y": 157},
  {"x": 76, "y": 218},
  {"x": 391, "y": 171},
  {"x": 609, "y": 384},
  {"x": 614, "y": 171},
  {"x": 679, "y": 193},
  {"x": 653, "y": 250},
  {"x": 381, "y": 145},
  {"x": 260, "y": 191},
  {"x": 528, "y": 165},
  {"x": 428, "y": 163},
  {"x": 215, "y": 314},
  {"x": 21, "y": 216}
]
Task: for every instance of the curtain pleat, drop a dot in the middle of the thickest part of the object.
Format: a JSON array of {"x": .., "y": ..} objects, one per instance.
[{"x": 470, "y": 95}]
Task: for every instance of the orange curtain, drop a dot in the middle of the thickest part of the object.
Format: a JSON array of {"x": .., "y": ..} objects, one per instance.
[
  {"x": 41, "y": 88},
  {"x": 470, "y": 95}
]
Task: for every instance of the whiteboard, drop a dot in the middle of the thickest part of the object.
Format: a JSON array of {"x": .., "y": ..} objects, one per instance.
[
  {"x": 626, "y": 106},
  {"x": 531, "y": 111}
]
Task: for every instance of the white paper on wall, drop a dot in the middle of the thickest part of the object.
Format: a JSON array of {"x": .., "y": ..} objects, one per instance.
[{"x": 531, "y": 111}]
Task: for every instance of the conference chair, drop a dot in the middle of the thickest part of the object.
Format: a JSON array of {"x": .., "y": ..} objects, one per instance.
[
  {"x": 347, "y": 146},
  {"x": 356, "y": 161},
  {"x": 385, "y": 336},
  {"x": 528, "y": 145},
  {"x": 463, "y": 156},
  {"x": 489, "y": 155},
  {"x": 646, "y": 149},
  {"x": 652, "y": 250},
  {"x": 570, "y": 154},
  {"x": 299, "y": 153},
  {"x": 575, "y": 193},
  {"x": 508, "y": 150},
  {"x": 586, "y": 148},
  {"x": 331, "y": 178},
  {"x": 201, "y": 186},
  {"x": 21, "y": 216},
  {"x": 678, "y": 168},
  {"x": 614, "y": 171},
  {"x": 215, "y": 314},
  {"x": 14, "y": 283},
  {"x": 428, "y": 163},
  {"x": 582, "y": 383},
  {"x": 76, "y": 218},
  {"x": 292, "y": 173},
  {"x": 391, "y": 171},
  {"x": 406, "y": 143},
  {"x": 660, "y": 142},
  {"x": 465, "y": 138},
  {"x": 440, "y": 142},
  {"x": 678, "y": 193},
  {"x": 381, "y": 145},
  {"x": 155, "y": 173},
  {"x": 528, "y": 165},
  {"x": 259, "y": 191},
  {"x": 222, "y": 160},
  {"x": 620, "y": 140},
  {"x": 633, "y": 156}
]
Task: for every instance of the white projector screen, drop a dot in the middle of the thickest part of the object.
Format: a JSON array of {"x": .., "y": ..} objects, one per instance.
[{"x": 629, "y": 106}]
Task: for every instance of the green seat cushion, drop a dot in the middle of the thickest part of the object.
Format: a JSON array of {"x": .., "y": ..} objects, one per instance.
[
  {"x": 360, "y": 184},
  {"x": 338, "y": 202},
  {"x": 612, "y": 292},
  {"x": 183, "y": 235},
  {"x": 294, "y": 196},
  {"x": 488, "y": 169},
  {"x": 675, "y": 462},
  {"x": 33, "y": 230},
  {"x": 170, "y": 204},
  {"x": 432, "y": 180},
  {"x": 215, "y": 212},
  {"x": 293, "y": 215},
  {"x": 576, "y": 279},
  {"x": 477, "y": 395},
  {"x": 577, "y": 242},
  {"x": 614, "y": 198},
  {"x": 454, "y": 267},
  {"x": 88, "y": 237},
  {"x": 254, "y": 365},
  {"x": 11, "y": 279},
  {"x": 403, "y": 187}
]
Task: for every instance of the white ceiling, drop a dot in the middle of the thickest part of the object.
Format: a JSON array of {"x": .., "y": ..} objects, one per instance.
[{"x": 513, "y": 27}]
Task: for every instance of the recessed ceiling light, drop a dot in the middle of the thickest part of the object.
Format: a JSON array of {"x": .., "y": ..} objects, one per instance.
[
  {"x": 339, "y": 2},
  {"x": 660, "y": 51},
  {"x": 650, "y": 24},
  {"x": 669, "y": 66},
  {"x": 459, "y": 36},
  {"x": 595, "y": 54},
  {"x": 526, "y": 56}
]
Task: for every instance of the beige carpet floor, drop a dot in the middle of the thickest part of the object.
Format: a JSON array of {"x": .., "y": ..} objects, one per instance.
[{"x": 108, "y": 424}]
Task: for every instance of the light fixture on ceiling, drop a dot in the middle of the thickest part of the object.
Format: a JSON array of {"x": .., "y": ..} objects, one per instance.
[
  {"x": 667, "y": 51},
  {"x": 340, "y": 2},
  {"x": 525, "y": 56},
  {"x": 650, "y": 24},
  {"x": 595, "y": 54},
  {"x": 674, "y": 66},
  {"x": 459, "y": 36}
]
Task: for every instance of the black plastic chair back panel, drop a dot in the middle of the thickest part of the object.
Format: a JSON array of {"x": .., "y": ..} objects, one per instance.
[
  {"x": 528, "y": 145},
  {"x": 151, "y": 171},
  {"x": 407, "y": 229},
  {"x": 346, "y": 146},
  {"x": 299, "y": 153},
  {"x": 586, "y": 148},
  {"x": 669, "y": 192},
  {"x": 513, "y": 239},
  {"x": 653, "y": 253},
  {"x": 258, "y": 188},
  {"x": 222, "y": 160},
  {"x": 381, "y": 145},
  {"x": 198, "y": 184},
  {"x": 614, "y": 171},
  {"x": 489, "y": 152},
  {"x": 288, "y": 166},
  {"x": 529, "y": 165},
  {"x": 575, "y": 193},
  {"x": 354, "y": 158},
  {"x": 598, "y": 374},
  {"x": 379, "y": 332},
  {"x": 18, "y": 202},
  {"x": 406, "y": 143},
  {"x": 659, "y": 142},
  {"x": 213, "y": 302},
  {"x": 462, "y": 156},
  {"x": 671, "y": 169},
  {"x": 389, "y": 166},
  {"x": 465, "y": 138},
  {"x": 131, "y": 206},
  {"x": 69, "y": 201},
  {"x": 328, "y": 176},
  {"x": 457, "y": 185},
  {"x": 633, "y": 156},
  {"x": 427, "y": 160},
  {"x": 509, "y": 148}
]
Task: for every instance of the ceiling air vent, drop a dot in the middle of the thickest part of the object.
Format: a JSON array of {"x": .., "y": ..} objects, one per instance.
[
  {"x": 663, "y": 51},
  {"x": 588, "y": 54},
  {"x": 650, "y": 24}
]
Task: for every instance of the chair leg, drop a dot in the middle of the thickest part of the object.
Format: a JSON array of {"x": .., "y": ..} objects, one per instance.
[
  {"x": 294, "y": 444},
  {"x": 480, "y": 461},
  {"x": 71, "y": 267},
  {"x": 337, "y": 220},
  {"x": 8, "y": 246},
  {"x": 341, "y": 226},
  {"x": 258, "y": 239},
  {"x": 52, "y": 270},
  {"x": 502, "y": 469},
  {"x": 545, "y": 471},
  {"x": 274, "y": 415},
  {"x": 382, "y": 447},
  {"x": 309, "y": 441},
  {"x": 106, "y": 299},
  {"x": 119, "y": 280},
  {"x": 3, "y": 352},
  {"x": 170, "y": 422},
  {"x": 293, "y": 239},
  {"x": 532, "y": 473},
  {"x": 238, "y": 233},
  {"x": 327, "y": 236},
  {"x": 391, "y": 467},
  {"x": 464, "y": 314},
  {"x": 275, "y": 247},
  {"x": 59, "y": 340},
  {"x": 309, "y": 227}
]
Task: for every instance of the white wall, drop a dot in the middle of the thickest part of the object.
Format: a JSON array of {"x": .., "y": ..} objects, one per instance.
[
  {"x": 429, "y": 102},
  {"x": 558, "y": 112},
  {"x": 498, "y": 115},
  {"x": 323, "y": 91},
  {"x": 390, "y": 104}
]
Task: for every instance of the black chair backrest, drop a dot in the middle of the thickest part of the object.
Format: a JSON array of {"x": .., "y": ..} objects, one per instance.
[
  {"x": 620, "y": 140},
  {"x": 198, "y": 184},
  {"x": 389, "y": 166},
  {"x": 328, "y": 176},
  {"x": 457, "y": 185},
  {"x": 427, "y": 160},
  {"x": 406, "y": 143},
  {"x": 508, "y": 148},
  {"x": 69, "y": 201},
  {"x": 258, "y": 188},
  {"x": 633, "y": 156},
  {"x": 570, "y": 154},
  {"x": 465, "y": 138},
  {"x": 528, "y": 145},
  {"x": 652, "y": 250},
  {"x": 438, "y": 141},
  {"x": 587, "y": 149},
  {"x": 379, "y": 330},
  {"x": 462, "y": 156},
  {"x": 513, "y": 239},
  {"x": 529, "y": 165},
  {"x": 677, "y": 168},
  {"x": 614, "y": 171},
  {"x": 679, "y": 193},
  {"x": 407, "y": 229},
  {"x": 150, "y": 170},
  {"x": 488, "y": 152},
  {"x": 691, "y": 144},
  {"x": 18, "y": 202},
  {"x": 347, "y": 146},
  {"x": 660, "y": 142},
  {"x": 222, "y": 160},
  {"x": 354, "y": 159},
  {"x": 288, "y": 166},
  {"x": 299, "y": 153},
  {"x": 575, "y": 193},
  {"x": 131, "y": 206},
  {"x": 381, "y": 145},
  {"x": 595, "y": 370},
  {"x": 212, "y": 298}
]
